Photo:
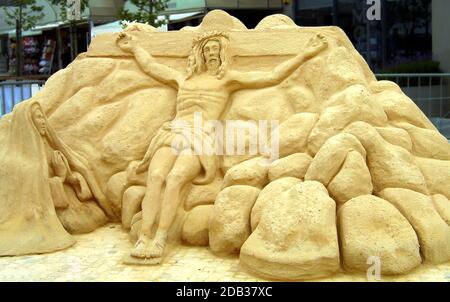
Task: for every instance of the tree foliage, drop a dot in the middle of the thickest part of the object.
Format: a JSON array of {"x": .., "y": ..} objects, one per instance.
[
  {"x": 147, "y": 12},
  {"x": 27, "y": 12},
  {"x": 62, "y": 4}
]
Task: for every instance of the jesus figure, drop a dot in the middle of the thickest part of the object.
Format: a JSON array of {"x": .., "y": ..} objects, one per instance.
[{"x": 206, "y": 88}]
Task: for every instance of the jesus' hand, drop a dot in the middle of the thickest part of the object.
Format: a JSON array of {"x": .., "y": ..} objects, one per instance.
[
  {"x": 317, "y": 44},
  {"x": 125, "y": 42}
]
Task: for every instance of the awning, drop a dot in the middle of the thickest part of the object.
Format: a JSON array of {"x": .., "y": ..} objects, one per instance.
[
  {"x": 26, "y": 33},
  {"x": 173, "y": 18},
  {"x": 48, "y": 26},
  {"x": 37, "y": 30}
]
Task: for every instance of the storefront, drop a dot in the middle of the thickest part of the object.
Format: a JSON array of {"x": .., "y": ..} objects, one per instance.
[
  {"x": 402, "y": 35},
  {"x": 46, "y": 49},
  {"x": 53, "y": 43},
  {"x": 4, "y": 53}
]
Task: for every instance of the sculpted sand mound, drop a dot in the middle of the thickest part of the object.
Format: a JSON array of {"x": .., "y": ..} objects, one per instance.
[
  {"x": 341, "y": 131},
  {"x": 296, "y": 237},
  {"x": 372, "y": 227}
]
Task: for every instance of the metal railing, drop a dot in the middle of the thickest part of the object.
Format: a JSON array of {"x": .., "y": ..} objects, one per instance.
[
  {"x": 430, "y": 92},
  {"x": 15, "y": 91}
]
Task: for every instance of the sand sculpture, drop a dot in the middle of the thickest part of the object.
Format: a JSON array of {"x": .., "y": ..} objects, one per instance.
[{"x": 358, "y": 170}]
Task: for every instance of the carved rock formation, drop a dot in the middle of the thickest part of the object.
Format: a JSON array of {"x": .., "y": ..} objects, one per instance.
[
  {"x": 296, "y": 237},
  {"x": 268, "y": 194},
  {"x": 294, "y": 165},
  {"x": 372, "y": 227},
  {"x": 431, "y": 229},
  {"x": 196, "y": 226},
  {"x": 229, "y": 226}
]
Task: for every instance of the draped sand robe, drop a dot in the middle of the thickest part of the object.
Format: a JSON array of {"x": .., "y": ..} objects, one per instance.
[
  {"x": 80, "y": 164},
  {"x": 29, "y": 192},
  {"x": 74, "y": 204},
  {"x": 28, "y": 221},
  {"x": 187, "y": 137}
]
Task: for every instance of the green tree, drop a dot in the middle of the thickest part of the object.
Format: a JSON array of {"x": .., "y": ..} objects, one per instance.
[
  {"x": 62, "y": 4},
  {"x": 24, "y": 15},
  {"x": 27, "y": 12},
  {"x": 147, "y": 12}
]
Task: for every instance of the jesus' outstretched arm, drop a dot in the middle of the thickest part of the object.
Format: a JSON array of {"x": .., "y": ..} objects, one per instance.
[
  {"x": 259, "y": 79},
  {"x": 160, "y": 72}
]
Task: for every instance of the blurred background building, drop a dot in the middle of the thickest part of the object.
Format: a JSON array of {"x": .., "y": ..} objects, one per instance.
[{"x": 412, "y": 35}]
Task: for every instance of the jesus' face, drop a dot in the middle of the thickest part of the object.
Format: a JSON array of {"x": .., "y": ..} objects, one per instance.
[{"x": 211, "y": 55}]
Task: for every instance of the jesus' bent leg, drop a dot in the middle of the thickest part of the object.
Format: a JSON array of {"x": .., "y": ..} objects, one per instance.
[
  {"x": 186, "y": 168},
  {"x": 160, "y": 166}
]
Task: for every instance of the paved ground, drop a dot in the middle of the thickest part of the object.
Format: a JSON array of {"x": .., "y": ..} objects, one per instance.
[{"x": 98, "y": 257}]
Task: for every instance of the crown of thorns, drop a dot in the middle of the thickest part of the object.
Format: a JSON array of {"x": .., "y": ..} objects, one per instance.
[{"x": 209, "y": 35}]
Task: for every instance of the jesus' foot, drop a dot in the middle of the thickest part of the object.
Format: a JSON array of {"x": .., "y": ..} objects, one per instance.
[
  {"x": 140, "y": 247},
  {"x": 157, "y": 247}
]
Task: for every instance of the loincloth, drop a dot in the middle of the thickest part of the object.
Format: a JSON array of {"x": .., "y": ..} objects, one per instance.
[{"x": 182, "y": 137}]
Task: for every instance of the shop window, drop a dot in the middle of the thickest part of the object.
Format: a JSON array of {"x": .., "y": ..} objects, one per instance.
[{"x": 402, "y": 35}]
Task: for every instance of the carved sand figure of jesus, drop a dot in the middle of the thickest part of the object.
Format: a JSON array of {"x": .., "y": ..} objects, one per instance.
[{"x": 206, "y": 88}]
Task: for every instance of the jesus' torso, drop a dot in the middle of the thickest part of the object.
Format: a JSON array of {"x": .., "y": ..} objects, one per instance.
[{"x": 202, "y": 93}]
